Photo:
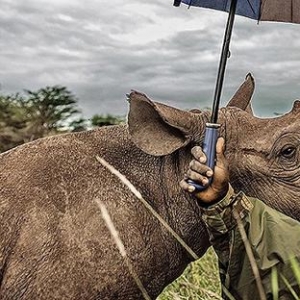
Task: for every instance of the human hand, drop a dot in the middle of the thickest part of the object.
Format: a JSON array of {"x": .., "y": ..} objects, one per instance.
[{"x": 200, "y": 173}]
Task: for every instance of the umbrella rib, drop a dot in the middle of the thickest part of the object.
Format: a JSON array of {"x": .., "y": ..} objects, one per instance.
[{"x": 251, "y": 7}]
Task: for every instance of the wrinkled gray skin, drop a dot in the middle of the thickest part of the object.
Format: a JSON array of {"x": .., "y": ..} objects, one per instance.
[
  {"x": 264, "y": 156},
  {"x": 53, "y": 241}
]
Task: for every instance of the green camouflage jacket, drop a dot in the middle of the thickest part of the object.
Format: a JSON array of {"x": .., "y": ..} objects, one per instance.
[{"x": 241, "y": 227}]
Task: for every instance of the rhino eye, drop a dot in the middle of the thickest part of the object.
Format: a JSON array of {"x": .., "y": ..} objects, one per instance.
[{"x": 288, "y": 152}]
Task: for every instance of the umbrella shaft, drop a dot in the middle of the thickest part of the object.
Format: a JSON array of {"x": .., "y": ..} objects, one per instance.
[{"x": 223, "y": 61}]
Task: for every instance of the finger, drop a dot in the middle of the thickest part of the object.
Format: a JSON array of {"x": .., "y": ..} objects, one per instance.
[
  {"x": 198, "y": 154},
  {"x": 220, "y": 148},
  {"x": 200, "y": 168},
  {"x": 196, "y": 177},
  {"x": 186, "y": 186}
]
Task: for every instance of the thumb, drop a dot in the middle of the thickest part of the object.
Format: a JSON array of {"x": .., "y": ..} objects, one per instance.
[{"x": 220, "y": 148}]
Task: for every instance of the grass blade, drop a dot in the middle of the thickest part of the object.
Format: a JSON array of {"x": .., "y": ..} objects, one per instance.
[
  {"x": 274, "y": 283},
  {"x": 131, "y": 187},
  {"x": 290, "y": 288},
  {"x": 296, "y": 269},
  {"x": 115, "y": 235},
  {"x": 260, "y": 288}
]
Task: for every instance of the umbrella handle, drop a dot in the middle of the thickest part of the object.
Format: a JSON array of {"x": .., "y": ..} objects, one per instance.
[{"x": 209, "y": 148}]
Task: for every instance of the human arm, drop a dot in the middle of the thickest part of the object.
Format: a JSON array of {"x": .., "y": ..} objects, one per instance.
[{"x": 271, "y": 236}]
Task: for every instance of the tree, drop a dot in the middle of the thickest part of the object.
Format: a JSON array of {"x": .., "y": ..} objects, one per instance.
[
  {"x": 37, "y": 114},
  {"x": 13, "y": 122},
  {"x": 47, "y": 111},
  {"x": 105, "y": 120},
  {"x": 50, "y": 110},
  {"x": 77, "y": 125}
]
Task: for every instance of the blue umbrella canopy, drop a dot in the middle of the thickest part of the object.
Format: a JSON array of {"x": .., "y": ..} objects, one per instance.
[
  {"x": 244, "y": 8},
  {"x": 264, "y": 10}
]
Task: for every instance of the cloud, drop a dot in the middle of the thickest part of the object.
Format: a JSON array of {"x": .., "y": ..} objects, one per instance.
[{"x": 102, "y": 49}]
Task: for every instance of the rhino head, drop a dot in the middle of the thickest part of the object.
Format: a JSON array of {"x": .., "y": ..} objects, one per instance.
[
  {"x": 263, "y": 154},
  {"x": 264, "y": 157}
]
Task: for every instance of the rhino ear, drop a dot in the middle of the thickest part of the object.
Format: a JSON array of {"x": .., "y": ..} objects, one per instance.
[
  {"x": 158, "y": 129},
  {"x": 243, "y": 95}
]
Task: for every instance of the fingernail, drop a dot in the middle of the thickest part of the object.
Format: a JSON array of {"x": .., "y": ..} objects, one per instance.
[
  {"x": 202, "y": 159},
  {"x": 209, "y": 173},
  {"x": 191, "y": 189}
]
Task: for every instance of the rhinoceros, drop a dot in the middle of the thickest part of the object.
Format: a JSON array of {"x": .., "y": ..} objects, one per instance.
[{"x": 54, "y": 243}]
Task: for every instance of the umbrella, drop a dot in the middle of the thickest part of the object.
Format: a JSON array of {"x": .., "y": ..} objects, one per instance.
[{"x": 260, "y": 10}]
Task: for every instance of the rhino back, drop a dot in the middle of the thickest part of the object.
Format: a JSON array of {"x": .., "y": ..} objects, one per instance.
[{"x": 53, "y": 240}]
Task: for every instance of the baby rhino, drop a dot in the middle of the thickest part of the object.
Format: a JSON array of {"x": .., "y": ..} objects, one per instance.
[{"x": 54, "y": 243}]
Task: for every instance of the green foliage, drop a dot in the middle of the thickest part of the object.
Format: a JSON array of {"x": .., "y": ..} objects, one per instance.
[
  {"x": 47, "y": 111},
  {"x": 105, "y": 120},
  {"x": 77, "y": 125},
  {"x": 13, "y": 122},
  {"x": 200, "y": 281},
  {"x": 36, "y": 114}
]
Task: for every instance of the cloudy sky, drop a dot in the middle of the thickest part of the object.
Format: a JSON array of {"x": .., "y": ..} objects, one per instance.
[{"x": 100, "y": 50}]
